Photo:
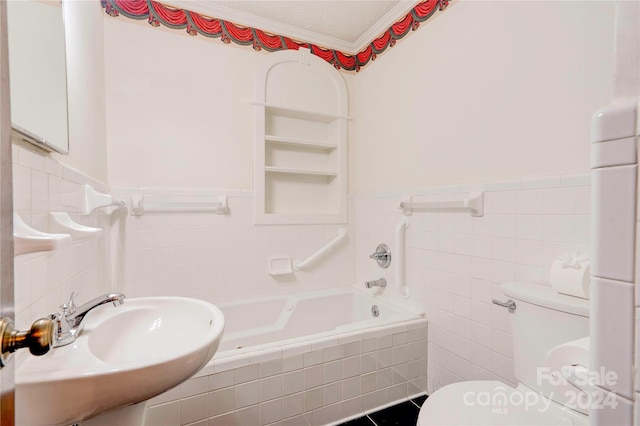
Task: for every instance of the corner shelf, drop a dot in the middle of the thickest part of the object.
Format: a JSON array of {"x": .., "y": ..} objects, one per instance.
[{"x": 300, "y": 136}]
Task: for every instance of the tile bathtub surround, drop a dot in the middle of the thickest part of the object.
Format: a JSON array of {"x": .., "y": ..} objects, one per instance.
[
  {"x": 44, "y": 281},
  {"x": 455, "y": 263},
  {"x": 222, "y": 257},
  {"x": 303, "y": 384}
]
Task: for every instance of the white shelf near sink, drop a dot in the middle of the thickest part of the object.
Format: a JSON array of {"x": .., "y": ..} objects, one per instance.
[{"x": 29, "y": 240}]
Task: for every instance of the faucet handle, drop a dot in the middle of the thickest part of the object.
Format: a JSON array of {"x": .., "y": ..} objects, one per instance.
[
  {"x": 70, "y": 307},
  {"x": 382, "y": 255}
]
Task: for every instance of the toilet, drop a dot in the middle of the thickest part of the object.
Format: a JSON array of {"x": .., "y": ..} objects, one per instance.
[{"x": 542, "y": 323}]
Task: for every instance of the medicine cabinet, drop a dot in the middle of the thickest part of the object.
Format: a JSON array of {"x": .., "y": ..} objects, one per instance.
[
  {"x": 300, "y": 141},
  {"x": 37, "y": 61}
]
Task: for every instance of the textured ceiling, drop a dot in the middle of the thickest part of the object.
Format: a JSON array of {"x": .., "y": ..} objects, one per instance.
[
  {"x": 345, "y": 25},
  {"x": 346, "y": 20}
]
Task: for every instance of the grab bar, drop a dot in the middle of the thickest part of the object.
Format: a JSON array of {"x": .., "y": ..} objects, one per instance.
[
  {"x": 141, "y": 204},
  {"x": 474, "y": 203},
  {"x": 325, "y": 249},
  {"x": 400, "y": 258}
]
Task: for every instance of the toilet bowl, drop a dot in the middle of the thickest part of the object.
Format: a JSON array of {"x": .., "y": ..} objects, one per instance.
[
  {"x": 542, "y": 320},
  {"x": 494, "y": 403}
]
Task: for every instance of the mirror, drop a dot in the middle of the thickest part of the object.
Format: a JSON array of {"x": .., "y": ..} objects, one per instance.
[{"x": 37, "y": 68}]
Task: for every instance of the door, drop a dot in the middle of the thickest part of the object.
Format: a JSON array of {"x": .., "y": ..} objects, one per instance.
[{"x": 7, "y": 414}]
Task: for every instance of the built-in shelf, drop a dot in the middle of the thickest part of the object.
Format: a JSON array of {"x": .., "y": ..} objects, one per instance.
[
  {"x": 270, "y": 169},
  {"x": 300, "y": 142},
  {"x": 302, "y": 113}
]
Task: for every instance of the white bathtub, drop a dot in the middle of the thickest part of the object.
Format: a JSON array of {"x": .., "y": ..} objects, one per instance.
[
  {"x": 316, "y": 358},
  {"x": 281, "y": 321}
]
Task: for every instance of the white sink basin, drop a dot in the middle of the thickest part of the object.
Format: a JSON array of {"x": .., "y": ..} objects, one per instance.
[{"x": 125, "y": 355}]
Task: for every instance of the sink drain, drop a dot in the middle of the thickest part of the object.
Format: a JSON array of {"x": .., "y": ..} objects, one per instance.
[{"x": 375, "y": 311}]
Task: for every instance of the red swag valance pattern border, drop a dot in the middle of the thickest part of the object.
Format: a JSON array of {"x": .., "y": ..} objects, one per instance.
[{"x": 158, "y": 14}]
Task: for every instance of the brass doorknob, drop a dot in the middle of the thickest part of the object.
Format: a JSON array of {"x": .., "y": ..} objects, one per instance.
[{"x": 38, "y": 339}]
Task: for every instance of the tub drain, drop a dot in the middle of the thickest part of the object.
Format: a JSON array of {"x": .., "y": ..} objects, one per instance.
[{"x": 375, "y": 311}]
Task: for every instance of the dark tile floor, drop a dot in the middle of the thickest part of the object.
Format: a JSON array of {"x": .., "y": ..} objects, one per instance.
[{"x": 403, "y": 414}]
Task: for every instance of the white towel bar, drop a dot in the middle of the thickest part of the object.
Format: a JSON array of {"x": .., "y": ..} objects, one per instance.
[
  {"x": 141, "y": 204},
  {"x": 474, "y": 203}
]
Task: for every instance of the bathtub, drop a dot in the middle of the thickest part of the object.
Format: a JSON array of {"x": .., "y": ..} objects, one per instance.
[
  {"x": 320, "y": 357},
  {"x": 282, "y": 321}
]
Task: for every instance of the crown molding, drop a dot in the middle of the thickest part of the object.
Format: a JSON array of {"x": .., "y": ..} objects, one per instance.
[
  {"x": 270, "y": 26},
  {"x": 178, "y": 16},
  {"x": 398, "y": 11}
]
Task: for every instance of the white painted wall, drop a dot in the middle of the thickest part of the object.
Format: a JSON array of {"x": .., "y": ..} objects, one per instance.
[
  {"x": 627, "y": 49},
  {"x": 179, "y": 108},
  {"x": 86, "y": 76},
  {"x": 484, "y": 91},
  {"x": 458, "y": 91}
]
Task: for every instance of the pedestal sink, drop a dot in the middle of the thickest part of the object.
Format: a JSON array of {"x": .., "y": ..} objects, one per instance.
[{"x": 125, "y": 355}]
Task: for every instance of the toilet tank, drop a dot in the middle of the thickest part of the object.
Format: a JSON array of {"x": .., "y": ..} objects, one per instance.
[{"x": 542, "y": 320}]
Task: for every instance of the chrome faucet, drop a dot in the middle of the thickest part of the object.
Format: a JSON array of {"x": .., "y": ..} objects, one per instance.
[
  {"x": 376, "y": 283},
  {"x": 68, "y": 324}
]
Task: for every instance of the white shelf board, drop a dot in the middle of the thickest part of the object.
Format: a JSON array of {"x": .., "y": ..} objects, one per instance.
[
  {"x": 300, "y": 142},
  {"x": 271, "y": 169},
  {"x": 301, "y": 114}
]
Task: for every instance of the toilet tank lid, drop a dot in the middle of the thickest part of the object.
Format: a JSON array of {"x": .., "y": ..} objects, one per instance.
[{"x": 547, "y": 297}]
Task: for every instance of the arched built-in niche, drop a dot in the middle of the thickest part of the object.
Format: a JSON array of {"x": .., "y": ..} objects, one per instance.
[{"x": 300, "y": 172}]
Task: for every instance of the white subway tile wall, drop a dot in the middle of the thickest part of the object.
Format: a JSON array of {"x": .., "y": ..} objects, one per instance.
[
  {"x": 454, "y": 266},
  {"x": 45, "y": 280},
  {"x": 221, "y": 257},
  {"x": 455, "y": 263}
]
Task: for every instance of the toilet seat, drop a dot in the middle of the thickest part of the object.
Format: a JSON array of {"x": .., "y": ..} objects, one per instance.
[{"x": 494, "y": 403}]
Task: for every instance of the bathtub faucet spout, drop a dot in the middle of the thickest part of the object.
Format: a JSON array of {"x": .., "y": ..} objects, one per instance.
[
  {"x": 376, "y": 283},
  {"x": 68, "y": 323}
]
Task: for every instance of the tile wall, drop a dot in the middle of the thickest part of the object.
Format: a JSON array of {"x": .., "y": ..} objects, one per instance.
[
  {"x": 221, "y": 257},
  {"x": 213, "y": 257},
  {"x": 455, "y": 263},
  {"x": 44, "y": 281},
  {"x": 615, "y": 177}
]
